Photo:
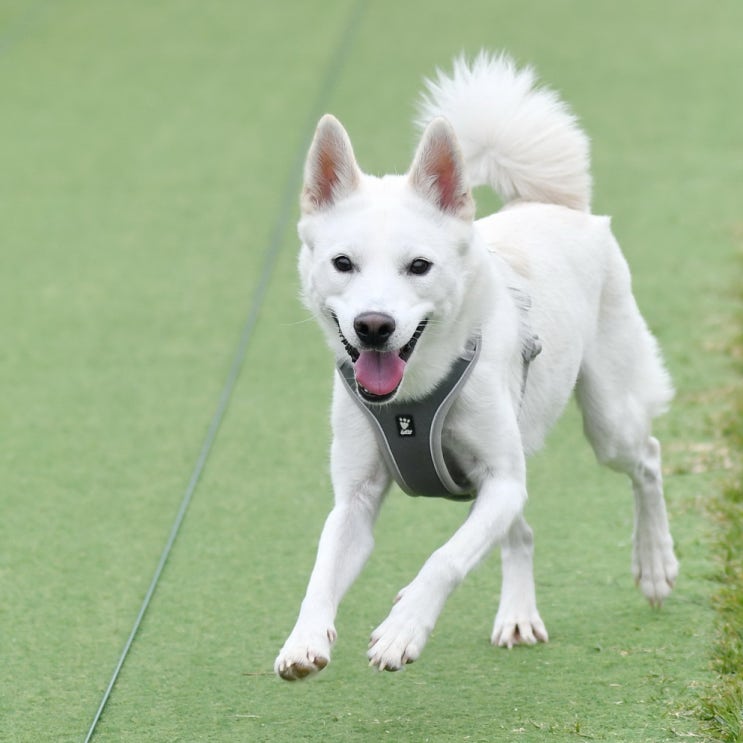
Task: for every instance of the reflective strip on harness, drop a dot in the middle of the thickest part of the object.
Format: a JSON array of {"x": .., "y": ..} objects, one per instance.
[{"x": 409, "y": 433}]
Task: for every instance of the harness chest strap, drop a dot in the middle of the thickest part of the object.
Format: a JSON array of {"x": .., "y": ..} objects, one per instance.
[{"x": 409, "y": 433}]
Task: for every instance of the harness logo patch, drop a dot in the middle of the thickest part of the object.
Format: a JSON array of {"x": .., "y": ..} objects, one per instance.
[{"x": 405, "y": 425}]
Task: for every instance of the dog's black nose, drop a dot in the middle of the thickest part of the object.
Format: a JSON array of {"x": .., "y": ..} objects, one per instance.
[{"x": 374, "y": 328}]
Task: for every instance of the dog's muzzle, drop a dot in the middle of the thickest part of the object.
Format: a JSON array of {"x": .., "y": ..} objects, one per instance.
[{"x": 378, "y": 373}]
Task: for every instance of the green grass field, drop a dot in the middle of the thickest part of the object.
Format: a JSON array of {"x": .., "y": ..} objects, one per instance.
[{"x": 148, "y": 151}]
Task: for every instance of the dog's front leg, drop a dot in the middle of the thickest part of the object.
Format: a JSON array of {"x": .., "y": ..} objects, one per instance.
[
  {"x": 345, "y": 545},
  {"x": 401, "y": 637},
  {"x": 360, "y": 481}
]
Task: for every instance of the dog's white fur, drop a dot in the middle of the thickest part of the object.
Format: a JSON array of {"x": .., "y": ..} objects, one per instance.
[{"x": 486, "y": 123}]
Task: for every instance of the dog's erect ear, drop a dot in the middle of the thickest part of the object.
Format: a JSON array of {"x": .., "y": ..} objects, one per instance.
[
  {"x": 438, "y": 174},
  {"x": 330, "y": 172}
]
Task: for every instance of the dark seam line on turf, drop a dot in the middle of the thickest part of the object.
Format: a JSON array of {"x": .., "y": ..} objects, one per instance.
[{"x": 332, "y": 74}]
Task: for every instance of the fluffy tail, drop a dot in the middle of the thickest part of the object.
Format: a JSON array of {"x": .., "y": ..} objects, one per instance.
[{"x": 521, "y": 140}]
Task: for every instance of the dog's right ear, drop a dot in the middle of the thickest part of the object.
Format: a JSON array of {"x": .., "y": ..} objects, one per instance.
[{"x": 330, "y": 172}]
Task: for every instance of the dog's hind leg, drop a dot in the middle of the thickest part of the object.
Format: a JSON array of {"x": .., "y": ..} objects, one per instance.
[
  {"x": 517, "y": 620},
  {"x": 621, "y": 387},
  {"x": 654, "y": 563}
]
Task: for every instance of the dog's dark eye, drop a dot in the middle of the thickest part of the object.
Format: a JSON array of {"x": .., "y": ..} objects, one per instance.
[
  {"x": 343, "y": 264},
  {"x": 419, "y": 266}
]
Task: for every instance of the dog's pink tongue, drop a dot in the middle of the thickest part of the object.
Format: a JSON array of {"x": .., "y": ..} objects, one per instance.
[{"x": 380, "y": 373}]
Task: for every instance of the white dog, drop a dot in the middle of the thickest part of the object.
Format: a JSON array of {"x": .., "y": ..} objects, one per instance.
[{"x": 415, "y": 296}]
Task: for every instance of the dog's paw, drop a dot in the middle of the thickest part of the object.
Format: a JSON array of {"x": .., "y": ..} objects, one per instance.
[
  {"x": 395, "y": 643},
  {"x": 400, "y": 639},
  {"x": 304, "y": 654},
  {"x": 655, "y": 569},
  {"x": 513, "y": 629}
]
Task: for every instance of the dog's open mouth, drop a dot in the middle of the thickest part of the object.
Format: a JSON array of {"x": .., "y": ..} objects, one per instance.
[{"x": 379, "y": 373}]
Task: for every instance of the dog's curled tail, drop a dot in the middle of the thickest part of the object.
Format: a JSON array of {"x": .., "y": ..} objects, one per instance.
[{"x": 519, "y": 139}]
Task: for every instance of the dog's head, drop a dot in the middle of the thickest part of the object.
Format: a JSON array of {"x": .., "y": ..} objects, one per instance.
[{"x": 383, "y": 260}]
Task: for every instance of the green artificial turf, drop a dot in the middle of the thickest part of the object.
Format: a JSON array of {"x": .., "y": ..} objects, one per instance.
[
  {"x": 144, "y": 154},
  {"x": 722, "y": 703}
]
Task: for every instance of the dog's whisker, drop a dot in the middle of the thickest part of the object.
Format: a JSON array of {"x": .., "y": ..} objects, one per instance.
[{"x": 303, "y": 321}]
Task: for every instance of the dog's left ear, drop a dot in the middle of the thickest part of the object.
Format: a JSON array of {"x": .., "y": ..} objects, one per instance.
[{"x": 437, "y": 172}]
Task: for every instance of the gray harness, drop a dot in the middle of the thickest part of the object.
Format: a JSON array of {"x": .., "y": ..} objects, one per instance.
[{"x": 409, "y": 433}]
